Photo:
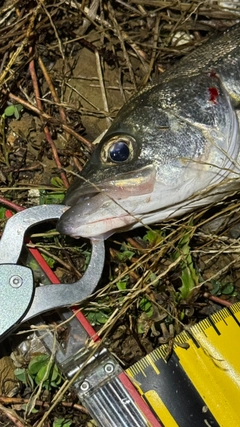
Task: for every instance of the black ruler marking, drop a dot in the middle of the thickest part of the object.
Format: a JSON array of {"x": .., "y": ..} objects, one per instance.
[{"x": 177, "y": 392}]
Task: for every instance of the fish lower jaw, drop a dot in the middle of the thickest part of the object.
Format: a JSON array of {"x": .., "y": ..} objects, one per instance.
[{"x": 99, "y": 229}]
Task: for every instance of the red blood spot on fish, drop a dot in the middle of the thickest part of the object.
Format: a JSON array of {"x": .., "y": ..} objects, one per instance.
[
  {"x": 213, "y": 94},
  {"x": 213, "y": 74}
]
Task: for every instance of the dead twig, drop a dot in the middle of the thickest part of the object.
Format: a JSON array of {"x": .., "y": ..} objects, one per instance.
[
  {"x": 46, "y": 116},
  {"x": 217, "y": 300},
  {"x": 21, "y": 401},
  {"x": 14, "y": 417},
  {"x": 102, "y": 86},
  {"x": 3, "y": 76},
  {"x": 46, "y": 130},
  {"x": 122, "y": 41}
]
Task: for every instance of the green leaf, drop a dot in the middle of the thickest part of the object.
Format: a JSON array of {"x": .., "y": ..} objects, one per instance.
[
  {"x": 146, "y": 306},
  {"x": 53, "y": 378},
  {"x": 219, "y": 288},
  {"x": 228, "y": 289},
  {"x": 2, "y": 213},
  {"x": 153, "y": 236},
  {"x": 153, "y": 278},
  {"x": 50, "y": 261},
  {"x": 97, "y": 317},
  {"x": 21, "y": 375},
  {"x": 216, "y": 285},
  {"x": 13, "y": 110},
  {"x": 51, "y": 198},
  {"x": 42, "y": 373},
  {"x": 87, "y": 255},
  {"x": 37, "y": 363},
  {"x": 125, "y": 255},
  {"x": 140, "y": 329},
  {"x": 62, "y": 422},
  {"x": 17, "y": 111},
  {"x": 9, "y": 111},
  {"x": 101, "y": 317},
  {"x": 181, "y": 315},
  {"x": 122, "y": 285},
  {"x": 188, "y": 280},
  {"x": 25, "y": 406},
  {"x": 57, "y": 181},
  {"x": 189, "y": 277}
]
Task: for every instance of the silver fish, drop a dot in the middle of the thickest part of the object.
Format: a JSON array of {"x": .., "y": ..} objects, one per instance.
[{"x": 172, "y": 148}]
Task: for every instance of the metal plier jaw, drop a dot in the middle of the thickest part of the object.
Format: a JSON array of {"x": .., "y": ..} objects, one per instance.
[{"x": 19, "y": 299}]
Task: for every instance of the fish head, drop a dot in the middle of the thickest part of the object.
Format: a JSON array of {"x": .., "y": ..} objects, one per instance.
[
  {"x": 160, "y": 151},
  {"x": 115, "y": 178}
]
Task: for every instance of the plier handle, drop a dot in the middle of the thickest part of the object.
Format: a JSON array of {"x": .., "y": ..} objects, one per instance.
[{"x": 20, "y": 300}]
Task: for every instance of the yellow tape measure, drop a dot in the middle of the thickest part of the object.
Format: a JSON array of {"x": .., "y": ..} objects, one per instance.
[{"x": 200, "y": 384}]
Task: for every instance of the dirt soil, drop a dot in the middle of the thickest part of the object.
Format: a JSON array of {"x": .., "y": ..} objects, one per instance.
[{"x": 66, "y": 69}]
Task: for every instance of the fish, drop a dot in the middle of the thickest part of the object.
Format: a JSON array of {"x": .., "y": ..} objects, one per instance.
[{"x": 173, "y": 147}]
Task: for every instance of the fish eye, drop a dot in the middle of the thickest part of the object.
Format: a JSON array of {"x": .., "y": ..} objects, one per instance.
[{"x": 118, "y": 149}]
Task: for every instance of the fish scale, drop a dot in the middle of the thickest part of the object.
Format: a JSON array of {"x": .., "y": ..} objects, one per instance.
[
  {"x": 220, "y": 54},
  {"x": 173, "y": 147}
]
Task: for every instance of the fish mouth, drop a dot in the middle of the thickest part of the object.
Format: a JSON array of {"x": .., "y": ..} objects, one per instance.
[
  {"x": 121, "y": 186},
  {"x": 98, "y": 209}
]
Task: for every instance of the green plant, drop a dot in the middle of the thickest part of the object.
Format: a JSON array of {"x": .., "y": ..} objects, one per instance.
[
  {"x": 98, "y": 317},
  {"x": 219, "y": 288},
  {"x": 56, "y": 181},
  {"x": 126, "y": 253},
  {"x": 13, "y": 110},
  {"x": 62, "y": 422},
  {"x": 153, "y": 278},
  {"x": 122, "y": 284},
  {"x": 153, "y": 237},
  {"x": 189, "y": 277},
  {"x": 146, "y": 306},
  {"x": 40, "y": 370},
  {"x": 2, "y": 212},
  {"x": 47, "y": 197}
]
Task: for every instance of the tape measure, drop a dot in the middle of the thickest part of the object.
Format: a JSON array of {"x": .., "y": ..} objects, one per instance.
[{"x": 200, "y": 384}]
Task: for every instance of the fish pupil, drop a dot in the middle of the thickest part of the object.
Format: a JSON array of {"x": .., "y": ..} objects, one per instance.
[{"x": 119, "y": 152}]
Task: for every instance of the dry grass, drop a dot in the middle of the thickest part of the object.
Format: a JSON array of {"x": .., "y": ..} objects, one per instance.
[{"x": 71, "y": 65}]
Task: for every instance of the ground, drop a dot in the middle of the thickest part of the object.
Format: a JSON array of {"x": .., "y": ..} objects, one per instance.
[{"x": 65, "y": 73}]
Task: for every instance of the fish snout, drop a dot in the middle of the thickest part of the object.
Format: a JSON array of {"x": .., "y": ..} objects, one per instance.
[
  {"x": 101, "y": 209},
  {"x": 94, "y": 217}
]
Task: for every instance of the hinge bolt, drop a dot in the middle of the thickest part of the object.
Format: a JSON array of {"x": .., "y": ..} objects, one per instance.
[
  {"x": 84, "y": 386},
  {"x": 109, "y": 368},
  {"x": 16, "y": 281}
]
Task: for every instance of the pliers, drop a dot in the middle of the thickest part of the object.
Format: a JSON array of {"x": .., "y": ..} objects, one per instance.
[
  {"x": 20, "y": 301},
  {"x": 94, "y": 374}
]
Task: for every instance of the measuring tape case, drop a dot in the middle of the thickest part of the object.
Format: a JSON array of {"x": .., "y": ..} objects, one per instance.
[{"x": 200, "y": 384}]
